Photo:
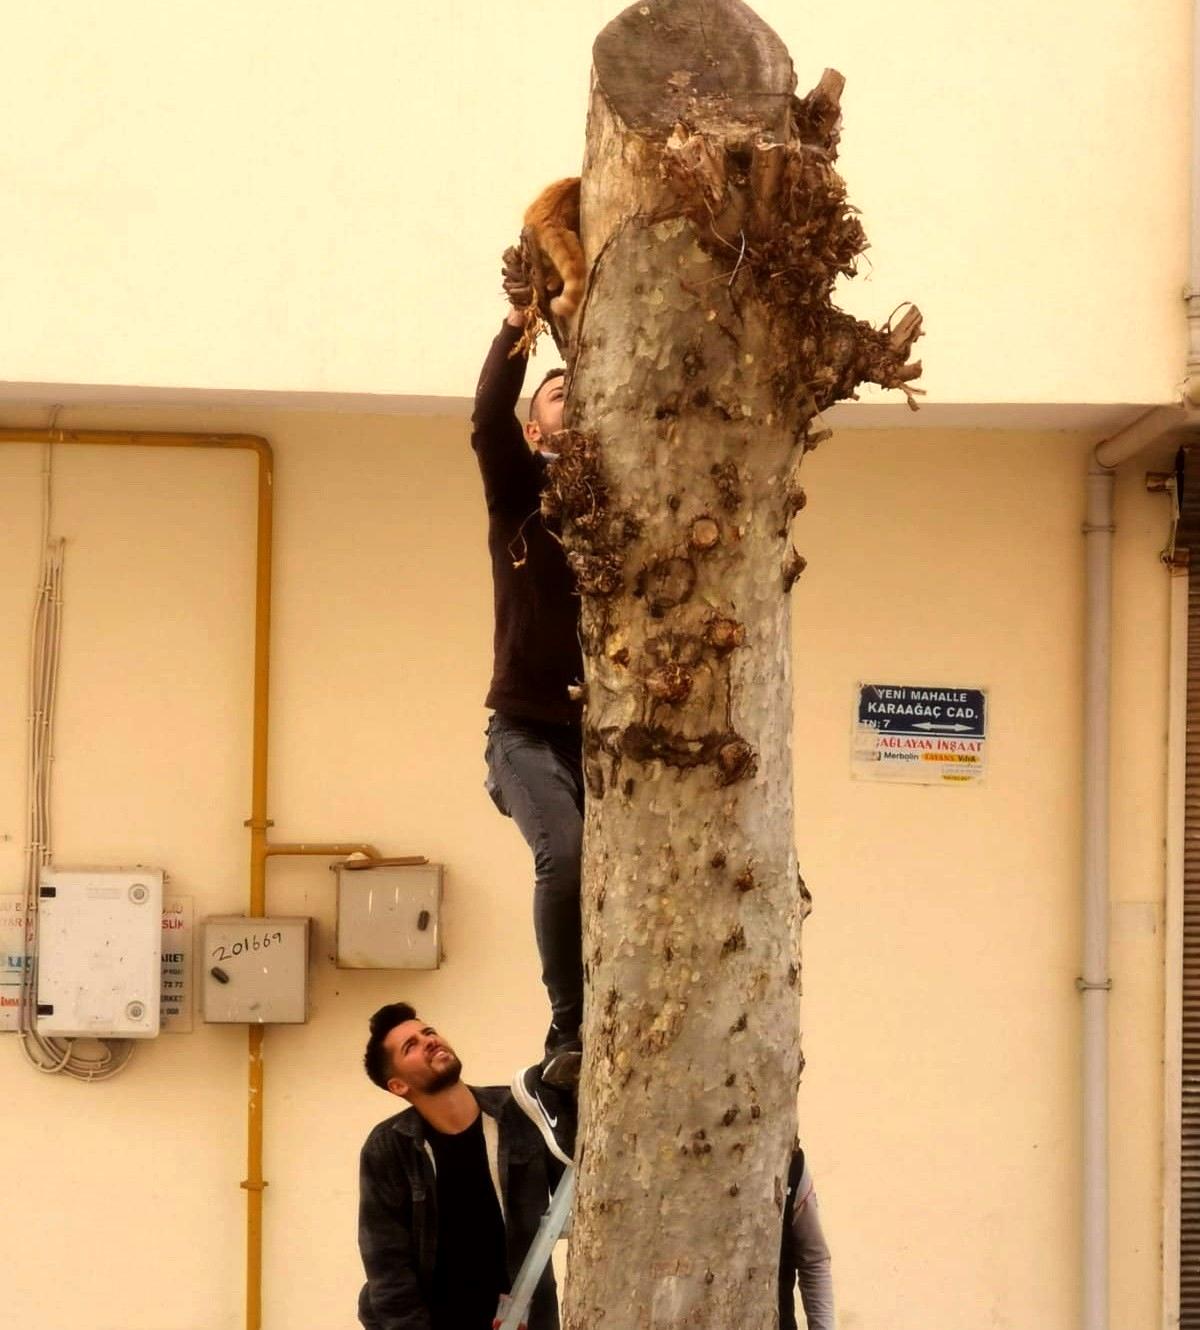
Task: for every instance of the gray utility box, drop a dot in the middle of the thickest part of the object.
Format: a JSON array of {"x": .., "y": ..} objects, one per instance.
[
  {"x": 389, "y": 917},
  {"x": 255, "y": 970}
]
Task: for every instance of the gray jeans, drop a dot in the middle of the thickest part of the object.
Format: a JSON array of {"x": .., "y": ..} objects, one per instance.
[{"x": 535, "y": 777}]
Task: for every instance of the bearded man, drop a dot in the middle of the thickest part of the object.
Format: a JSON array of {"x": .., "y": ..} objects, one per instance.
[{"x": 451, "y": 1189}]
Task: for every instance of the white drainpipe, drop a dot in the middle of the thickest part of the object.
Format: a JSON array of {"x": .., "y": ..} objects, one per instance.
[
  {"x": 1094, "y": 983},
  {"x": 1191, "y": 394}
]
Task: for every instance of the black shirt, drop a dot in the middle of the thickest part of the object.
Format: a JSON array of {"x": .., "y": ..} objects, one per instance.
[
  {"x": 536, "y": 642},
  {"x": 470, "y": 1271}
]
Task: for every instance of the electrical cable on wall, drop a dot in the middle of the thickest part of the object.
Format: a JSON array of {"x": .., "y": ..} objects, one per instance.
[{"x": 52, "y": 1056}]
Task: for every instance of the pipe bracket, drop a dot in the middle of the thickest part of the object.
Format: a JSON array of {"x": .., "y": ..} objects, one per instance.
[
  {"x": 1083, "y": 985},
  {"x": 254, "y": 1186},
  {"x": 1089, "y": 527}
]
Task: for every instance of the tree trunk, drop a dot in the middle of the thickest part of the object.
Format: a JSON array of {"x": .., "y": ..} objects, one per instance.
[{"x": 714, "y": 227}]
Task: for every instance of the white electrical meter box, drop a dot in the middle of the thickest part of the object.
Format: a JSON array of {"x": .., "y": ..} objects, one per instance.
[
  {"x": 99, "y": 967},
  {"x": 255, "y": 971},
  {"x": 389, "y": 917}
]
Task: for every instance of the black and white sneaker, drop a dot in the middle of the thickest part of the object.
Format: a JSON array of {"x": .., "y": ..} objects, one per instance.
[
  {"x": 551, "y": 1110},
  {"x": 560, "y": 1066}
]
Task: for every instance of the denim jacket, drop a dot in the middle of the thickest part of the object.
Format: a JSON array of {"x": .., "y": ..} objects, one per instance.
[{"x": 397, "y": 1211}]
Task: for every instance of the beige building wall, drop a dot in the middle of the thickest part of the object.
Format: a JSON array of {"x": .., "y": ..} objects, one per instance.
[
  {"x": 286, "y": 197},
  {"x": 940, "y": 1107}
]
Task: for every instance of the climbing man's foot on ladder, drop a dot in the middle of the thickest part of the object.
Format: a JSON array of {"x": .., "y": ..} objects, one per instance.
[{"x": 549, "y": 1108}]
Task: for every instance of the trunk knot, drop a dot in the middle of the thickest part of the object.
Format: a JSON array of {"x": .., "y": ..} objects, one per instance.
[
  {"x": 724, "y": 634},
  {"x": 737, "y": 761},
  {"x": 669, "y": 683},
  {"x": 745, "y": 880},
  {"x": 706, "y": 534},
  {"x": 794, "y": 564}
]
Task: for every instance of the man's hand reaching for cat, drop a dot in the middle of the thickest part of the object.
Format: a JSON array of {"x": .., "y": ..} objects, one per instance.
[{"x": 517, "y": 279}]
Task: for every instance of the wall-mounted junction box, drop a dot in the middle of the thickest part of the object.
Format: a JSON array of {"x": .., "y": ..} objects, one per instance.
[
  {"x": 255, "y": 970},
  {"x": 389, "y": 918},
  {"x": 99, "y": 952}
]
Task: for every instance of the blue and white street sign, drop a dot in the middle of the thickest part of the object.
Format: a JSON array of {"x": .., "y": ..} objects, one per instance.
[{"x": 924, "y": 734}]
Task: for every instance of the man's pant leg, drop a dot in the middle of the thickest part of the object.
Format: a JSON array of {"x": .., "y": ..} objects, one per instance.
[{"x": 538, "y": 783}]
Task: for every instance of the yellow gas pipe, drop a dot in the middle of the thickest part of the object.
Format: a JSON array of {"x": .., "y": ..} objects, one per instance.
[{"x": 260, "y": 848}]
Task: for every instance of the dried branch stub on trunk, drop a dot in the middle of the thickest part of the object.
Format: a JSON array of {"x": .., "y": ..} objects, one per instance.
[{"x": 776, "y": 214}]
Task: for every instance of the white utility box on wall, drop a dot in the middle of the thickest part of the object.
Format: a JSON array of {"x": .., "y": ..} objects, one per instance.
[
  {"x": 99, "y": 952},
  {"x": 255, "y": 970},
  {"x": 389, "y": 917}
]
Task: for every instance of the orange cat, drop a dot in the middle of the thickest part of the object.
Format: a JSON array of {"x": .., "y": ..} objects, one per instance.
[{"x": 554, "y": 219}]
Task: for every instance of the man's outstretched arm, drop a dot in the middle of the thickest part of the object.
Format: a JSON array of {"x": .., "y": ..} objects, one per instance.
[{"x": 505, "y": 461}]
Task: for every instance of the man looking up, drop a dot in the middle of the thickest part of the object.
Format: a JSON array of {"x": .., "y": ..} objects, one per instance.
[
  {"x": 436, "y": 1243},
  {"x": 534, "y": 734}
]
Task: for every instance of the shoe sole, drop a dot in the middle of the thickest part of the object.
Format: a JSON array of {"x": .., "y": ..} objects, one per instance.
[{"x": 533, "y": 1110}]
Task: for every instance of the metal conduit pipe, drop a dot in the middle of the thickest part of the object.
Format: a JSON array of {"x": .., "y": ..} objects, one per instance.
[{"x": 260, "y": 848}]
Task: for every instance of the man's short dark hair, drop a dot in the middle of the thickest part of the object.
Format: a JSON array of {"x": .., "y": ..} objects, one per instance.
[
  {"x": 377, "y": 1060},
  {"x": 550, "y": 374}
]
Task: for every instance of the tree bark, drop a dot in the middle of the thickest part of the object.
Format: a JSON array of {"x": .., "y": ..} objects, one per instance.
[{"x": 715, "y": 227}]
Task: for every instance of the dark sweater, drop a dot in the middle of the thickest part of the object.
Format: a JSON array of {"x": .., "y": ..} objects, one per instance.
[{"x": 536, "y": 642}]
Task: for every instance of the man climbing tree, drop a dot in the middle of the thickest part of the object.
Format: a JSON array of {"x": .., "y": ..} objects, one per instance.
[{"x": 714, "y": 227}]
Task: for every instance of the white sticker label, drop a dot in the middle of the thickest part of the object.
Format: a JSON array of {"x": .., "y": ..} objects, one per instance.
[
  {"x": 175, "y": 1003},
  {"x": 16, "y": 944}
]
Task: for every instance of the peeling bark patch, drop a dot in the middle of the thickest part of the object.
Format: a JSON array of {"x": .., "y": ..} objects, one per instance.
[
  {"x": 718, "y": 860},
  {"x": 628, "y": 788},
  {"x": 793, "y": 975},
  {"x": 739, "y": 1025},
  {"x": 736, "y": 941},
  {"x": 730, "y": 1116},
  {"x": 734, "y": 1189},
  {"x": 728, "y": 485},
  {"x": 745, "y": 880},
  {"x": 594, "y": 777},
  {"x": 730, "y": 1079}
]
